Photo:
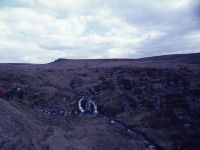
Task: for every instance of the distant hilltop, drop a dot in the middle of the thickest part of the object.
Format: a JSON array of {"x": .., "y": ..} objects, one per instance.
[
  {"x": 188, "y": 58},
  {"x": 193, "y": 58}
]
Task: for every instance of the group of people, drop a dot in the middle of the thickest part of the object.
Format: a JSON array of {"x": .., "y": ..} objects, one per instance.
[{"x": 12, "y": 93}]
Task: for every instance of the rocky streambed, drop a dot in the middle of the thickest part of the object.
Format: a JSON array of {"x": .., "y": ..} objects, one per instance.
[{"x": 136, "y": 135}]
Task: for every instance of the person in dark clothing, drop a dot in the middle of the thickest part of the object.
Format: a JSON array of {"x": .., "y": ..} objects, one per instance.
[
  {"x": 11, "y": 93},
  {"x": 16, "y": 92},
  {"x": 20, "y": 93},
  {"x": 1, "y": 93}
]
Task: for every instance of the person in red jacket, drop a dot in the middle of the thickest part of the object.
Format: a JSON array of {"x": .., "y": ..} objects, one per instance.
[{"x": 1, "y": 93}]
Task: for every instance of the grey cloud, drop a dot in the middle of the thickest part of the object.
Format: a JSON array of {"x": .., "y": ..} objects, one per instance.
[
  {"x": 168, "y": 45},
  {"x": 96, "y": 29},
  {"x": 197, "y": 12}
]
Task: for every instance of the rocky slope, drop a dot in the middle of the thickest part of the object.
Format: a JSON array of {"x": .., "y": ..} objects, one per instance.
[
  {"x": 159, "y": 97},
  {"x": 17, "y": 131}
]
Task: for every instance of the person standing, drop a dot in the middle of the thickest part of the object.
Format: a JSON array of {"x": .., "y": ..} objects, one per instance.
[
  {"x": 20, "y": 93},
  {"x": 1, "y": 93}
]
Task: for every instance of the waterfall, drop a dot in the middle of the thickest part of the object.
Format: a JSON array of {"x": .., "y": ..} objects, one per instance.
[{"x": 87, "y": 105}]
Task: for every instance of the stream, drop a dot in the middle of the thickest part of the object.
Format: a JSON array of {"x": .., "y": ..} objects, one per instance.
[
  {"x": 130, "y": 131},
  {"x": 87, "y": 110}
]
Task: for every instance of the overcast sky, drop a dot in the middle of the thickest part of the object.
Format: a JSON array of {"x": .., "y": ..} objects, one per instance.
[{"x": 40, "y": 31}]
